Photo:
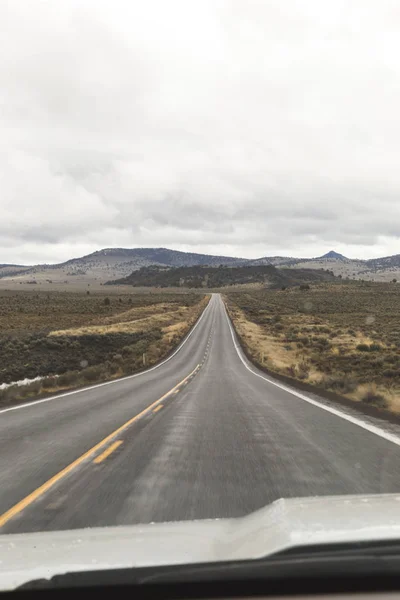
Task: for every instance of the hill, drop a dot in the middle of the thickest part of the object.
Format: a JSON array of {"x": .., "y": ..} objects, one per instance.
[
  {"x": 7, "y": 270},
  {"x": 111, "y": 263},
  {"x": 154, "y": 256},
  {"x": 216, "y": 277},
  {"x": 277, "y": 261},
  {"x": 116, "y": 263},
  {"x": 333, "y": 255},
  {"x": 386, "y": 262}
]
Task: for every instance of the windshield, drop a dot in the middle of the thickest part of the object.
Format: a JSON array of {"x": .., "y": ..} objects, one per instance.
[{"x": 199, "y": 267}]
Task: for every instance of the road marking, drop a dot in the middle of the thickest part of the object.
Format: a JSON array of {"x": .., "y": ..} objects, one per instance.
[
  {"x": 99, "y": 459},
  {"x": 22, "y": 504},
  {"x": 93, "y": 387},
  {"x": 160, "y": 406},
  {"x": 367, "y": 426}
]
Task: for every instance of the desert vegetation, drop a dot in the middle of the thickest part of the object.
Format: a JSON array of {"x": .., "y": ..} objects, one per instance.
[
  {"x": 74, "y": 339},
  {"x": 343, "y": 337},
  {"x": 216, "y": 277}
]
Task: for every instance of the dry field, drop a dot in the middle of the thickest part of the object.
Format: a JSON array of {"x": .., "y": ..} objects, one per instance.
[
  {"x": 341, "y": 337},
  {"x": 83, "y": 338}
]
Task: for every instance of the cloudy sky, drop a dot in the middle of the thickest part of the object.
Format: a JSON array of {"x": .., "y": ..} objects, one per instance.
[{"x": 236, "y": 127}]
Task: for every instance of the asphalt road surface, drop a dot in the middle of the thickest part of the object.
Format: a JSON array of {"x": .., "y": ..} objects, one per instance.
[{"x": 203, "y": 435}]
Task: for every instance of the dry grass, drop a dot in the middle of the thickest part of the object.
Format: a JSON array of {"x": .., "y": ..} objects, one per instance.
[
  {"x": 171, "y": 331},
  {"x": 344, "y": 338},
  {"x": 24, "y": 312},
  {"x": 172, "y": 319},
  {"x": 145, "y": 323},
  {"x": 142, "y": 312},
  {"x": 113, "y": 347},
  {"x": 269, "y": 350},
  {"x": 264, "y": 346}
]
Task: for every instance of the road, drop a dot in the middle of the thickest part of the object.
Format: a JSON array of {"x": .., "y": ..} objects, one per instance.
[{"x": 203, "y": 435}]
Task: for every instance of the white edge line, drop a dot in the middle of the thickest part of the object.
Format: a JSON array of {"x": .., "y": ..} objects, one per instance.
[
  {"x": 367, "y": 426},
  {"x": 98, "y": 385}
]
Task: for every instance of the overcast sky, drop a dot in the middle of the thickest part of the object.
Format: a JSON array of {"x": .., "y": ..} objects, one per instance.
[{"x": 237, "y": 127}]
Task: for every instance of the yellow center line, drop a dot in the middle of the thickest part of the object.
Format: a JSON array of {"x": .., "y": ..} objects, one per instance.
[
  {"x": 107, "y": 452},
  {"x": 157, "y": 408},
  {"x": 22, "y": 504}
]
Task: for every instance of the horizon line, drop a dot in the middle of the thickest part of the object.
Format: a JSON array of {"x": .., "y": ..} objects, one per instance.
[{"x": 299, "y": 258}]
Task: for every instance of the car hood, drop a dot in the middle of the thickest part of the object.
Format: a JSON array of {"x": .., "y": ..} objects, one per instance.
[{"x": 282, "y": 525}]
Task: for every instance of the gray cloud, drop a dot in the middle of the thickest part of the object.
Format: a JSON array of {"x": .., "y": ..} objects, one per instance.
[{"x": 236, "y": 126}]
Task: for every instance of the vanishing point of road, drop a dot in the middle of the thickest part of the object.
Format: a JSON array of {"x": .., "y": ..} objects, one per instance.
[{"x": 205, "y": 434}]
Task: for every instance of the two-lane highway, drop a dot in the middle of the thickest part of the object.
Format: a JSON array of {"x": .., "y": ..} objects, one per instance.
[{"x": 203, "y": 435}]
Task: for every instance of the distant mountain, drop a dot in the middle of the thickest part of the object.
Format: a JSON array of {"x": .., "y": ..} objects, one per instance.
[
  {"x": 4, "y": 265},
  {"x": 116, "y": 263},
  {"x": 215, "y": 277},
  {"x": 113, "y": 263},
  {"x": 155, "y": 256},
  {"x": 387, "y": 262},
  {"x": 332, "y": 255},
  {"x": 290, "y": 260},
  {"x": 7, "y": 270},
  {"x": 274, "y": 260}
]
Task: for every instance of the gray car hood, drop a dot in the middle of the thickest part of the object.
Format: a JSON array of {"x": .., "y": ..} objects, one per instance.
[{"x": 281, "y": 525}]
